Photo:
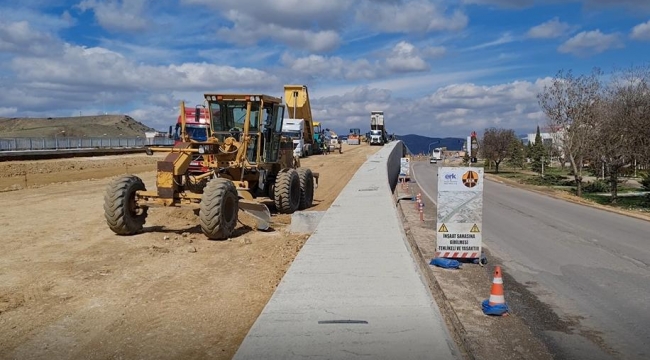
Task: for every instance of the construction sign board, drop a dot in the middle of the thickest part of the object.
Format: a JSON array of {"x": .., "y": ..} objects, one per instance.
[
  {"x": 404, "y": 167},
  {"x": 460, "y": 212}
]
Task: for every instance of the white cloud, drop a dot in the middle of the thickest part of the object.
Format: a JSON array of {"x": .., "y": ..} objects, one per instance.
[
  {"x": 641, "y": 31},
  {"x": 118, "y": 15},
  {"x": 405, "y": 58},
  {"x": 514, "y": 4},
  {"x": 410, "y": 16},
  {"x": 295, "y": 14},
  {"x": 21, "y": 38},
  {"x": 590, "y": 43},
  {"x": 551, "y": 29},
  {"x": 334, "y": 67},
  {"x": 310, "y": 24},
  {"x": 81, "y": 66},
  {"x": 249, "y": 31},
  {"x": 505, "y": 38},
  {"x": 448, "y": 111}
]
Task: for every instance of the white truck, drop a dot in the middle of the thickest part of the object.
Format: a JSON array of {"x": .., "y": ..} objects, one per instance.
[
  {"x": 436, "y": 155},
  {"x": 294, "y": 129},
  {"x": 378, "y": 134}
]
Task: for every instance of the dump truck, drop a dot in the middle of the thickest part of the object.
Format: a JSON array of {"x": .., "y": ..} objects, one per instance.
[
  {"x": 378, "y": 134},
  {"x": 354, "y": 138},
  {"x": 249, "y": 165},
  {"x": 299, "y": 110}
]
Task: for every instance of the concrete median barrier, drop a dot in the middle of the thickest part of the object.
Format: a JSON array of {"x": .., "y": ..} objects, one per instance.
[{"x": 354, "y": 289}]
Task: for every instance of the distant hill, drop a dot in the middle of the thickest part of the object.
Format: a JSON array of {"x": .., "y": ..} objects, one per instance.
[
  {"x": 420, "y": 144},
  {"x": 79, "y": 126}
]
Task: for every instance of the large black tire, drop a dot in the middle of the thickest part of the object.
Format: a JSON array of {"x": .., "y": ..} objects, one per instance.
[
  {"x": 306, "y": 188},
  {"x": 122, "y": 215},
  {"x": 287, "y": 191},
  {"x": 219, "y": 208}
]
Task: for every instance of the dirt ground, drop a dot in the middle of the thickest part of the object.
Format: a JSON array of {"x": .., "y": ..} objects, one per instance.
[{"x": 70, "y": 288}]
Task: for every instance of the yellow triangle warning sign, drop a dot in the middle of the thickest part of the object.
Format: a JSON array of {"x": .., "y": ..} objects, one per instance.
[
  {"x": 443, "y": 228},
  {"x": 475, "y": 229}
]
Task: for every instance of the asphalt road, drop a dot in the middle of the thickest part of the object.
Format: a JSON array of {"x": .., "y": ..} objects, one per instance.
[{"x": 590, "y": 267}]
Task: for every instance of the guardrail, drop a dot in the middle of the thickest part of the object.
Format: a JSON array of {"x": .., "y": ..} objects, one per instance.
[{"x": 61, "y": 142}]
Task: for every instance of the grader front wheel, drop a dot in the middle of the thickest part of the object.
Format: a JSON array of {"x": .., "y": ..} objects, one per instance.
[
  {"x": 218, "y": 209},
  {"x": 287, "y": 191},
  {"x": 122, "y": 214}
]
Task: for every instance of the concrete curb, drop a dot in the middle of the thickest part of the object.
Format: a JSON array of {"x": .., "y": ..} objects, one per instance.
[{"x": 453, "y": 322}]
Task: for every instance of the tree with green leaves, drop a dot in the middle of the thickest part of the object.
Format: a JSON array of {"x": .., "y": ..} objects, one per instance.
[
  {"x": 529, "y": 150},
  {"x": 517, "y": 153},
  {"x": 466, "y": 158},
  {"x": 538, "y": 153}
]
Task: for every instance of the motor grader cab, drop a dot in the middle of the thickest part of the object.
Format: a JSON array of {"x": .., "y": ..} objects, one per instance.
[{"x": 248, "y": 166}]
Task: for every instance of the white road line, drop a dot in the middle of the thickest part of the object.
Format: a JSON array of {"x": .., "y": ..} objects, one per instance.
[{"x": 422, "y": 189}]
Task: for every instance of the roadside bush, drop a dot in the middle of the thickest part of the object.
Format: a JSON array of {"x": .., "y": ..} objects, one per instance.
[
  {"x": 598, "y": 186},
  {"x": 548, "y": 180},
  {"x": 645, "y": 181}
]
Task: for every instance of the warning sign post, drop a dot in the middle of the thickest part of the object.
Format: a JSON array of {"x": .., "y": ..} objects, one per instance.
[
  {"x": 460, "y": 212},
  {"x": 404, "y": 167}
]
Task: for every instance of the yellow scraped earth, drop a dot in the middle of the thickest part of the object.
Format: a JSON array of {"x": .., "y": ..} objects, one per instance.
[{"x": 70, "y": 288}]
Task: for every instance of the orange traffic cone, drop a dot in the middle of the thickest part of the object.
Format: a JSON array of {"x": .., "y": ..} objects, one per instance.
[
  {"x": 496, "y": 304},
  {"x": 496, "y": 293}
]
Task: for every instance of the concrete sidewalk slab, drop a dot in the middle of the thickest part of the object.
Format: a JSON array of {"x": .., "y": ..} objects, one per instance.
[{"x": 356, "y": 266}]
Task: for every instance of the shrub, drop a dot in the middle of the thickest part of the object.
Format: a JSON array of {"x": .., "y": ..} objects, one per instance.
[
  {"x": 547, "y": 180},
  {"x": 645, "y": 181},
  {"x": 598, "y": 186}
]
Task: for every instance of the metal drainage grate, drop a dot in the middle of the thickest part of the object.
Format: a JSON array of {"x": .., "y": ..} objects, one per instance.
[
  {"x": 342, "y": 322},
  {"x": 372, "y": 188}
]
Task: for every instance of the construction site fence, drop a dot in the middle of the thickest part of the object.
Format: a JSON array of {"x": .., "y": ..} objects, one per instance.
[{"x": 61, "y": 142}]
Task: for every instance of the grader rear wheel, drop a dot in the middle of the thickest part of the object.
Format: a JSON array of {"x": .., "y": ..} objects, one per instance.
[
  {"x": 218, "y": 209},
  {"x": 306, "y": 188},
  {"x": 287, "y": 191},
  {"x": 122, "y": 214}
]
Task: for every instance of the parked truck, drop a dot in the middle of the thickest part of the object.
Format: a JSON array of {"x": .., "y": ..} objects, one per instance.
[
  {"x": 300, "y": 118},
  {"x": 294, "y": 129},
  {"x": 378, "y": 134}
]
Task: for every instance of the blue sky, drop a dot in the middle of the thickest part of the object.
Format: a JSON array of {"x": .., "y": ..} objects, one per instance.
[{"x": 437, "y": 68}]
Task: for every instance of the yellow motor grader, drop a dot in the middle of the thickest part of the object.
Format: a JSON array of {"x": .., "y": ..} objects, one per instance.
[{"x": 249, "y": 165}]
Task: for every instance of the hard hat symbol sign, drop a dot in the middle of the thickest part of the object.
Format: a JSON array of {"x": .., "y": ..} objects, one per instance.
[{"x": 470, "y": 179}]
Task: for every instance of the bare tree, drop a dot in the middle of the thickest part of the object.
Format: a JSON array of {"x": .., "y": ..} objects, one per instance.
[
  {"x": 497, "y": 144},
  {"x": 569, "y": 104},
  {"x": 626, "y": 133}
]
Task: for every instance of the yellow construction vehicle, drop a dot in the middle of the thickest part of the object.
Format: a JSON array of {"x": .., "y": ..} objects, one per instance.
[
  {"x": 354, "y": 138},
  {"x": 300, "y": 125},
  {"x": 248, "y": 166}
]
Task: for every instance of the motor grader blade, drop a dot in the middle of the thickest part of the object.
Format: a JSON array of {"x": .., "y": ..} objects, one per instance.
[{"x": 259, "y": 211}]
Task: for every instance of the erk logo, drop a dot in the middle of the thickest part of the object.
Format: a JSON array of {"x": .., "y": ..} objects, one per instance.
[{"x": 450, "y": 177}]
